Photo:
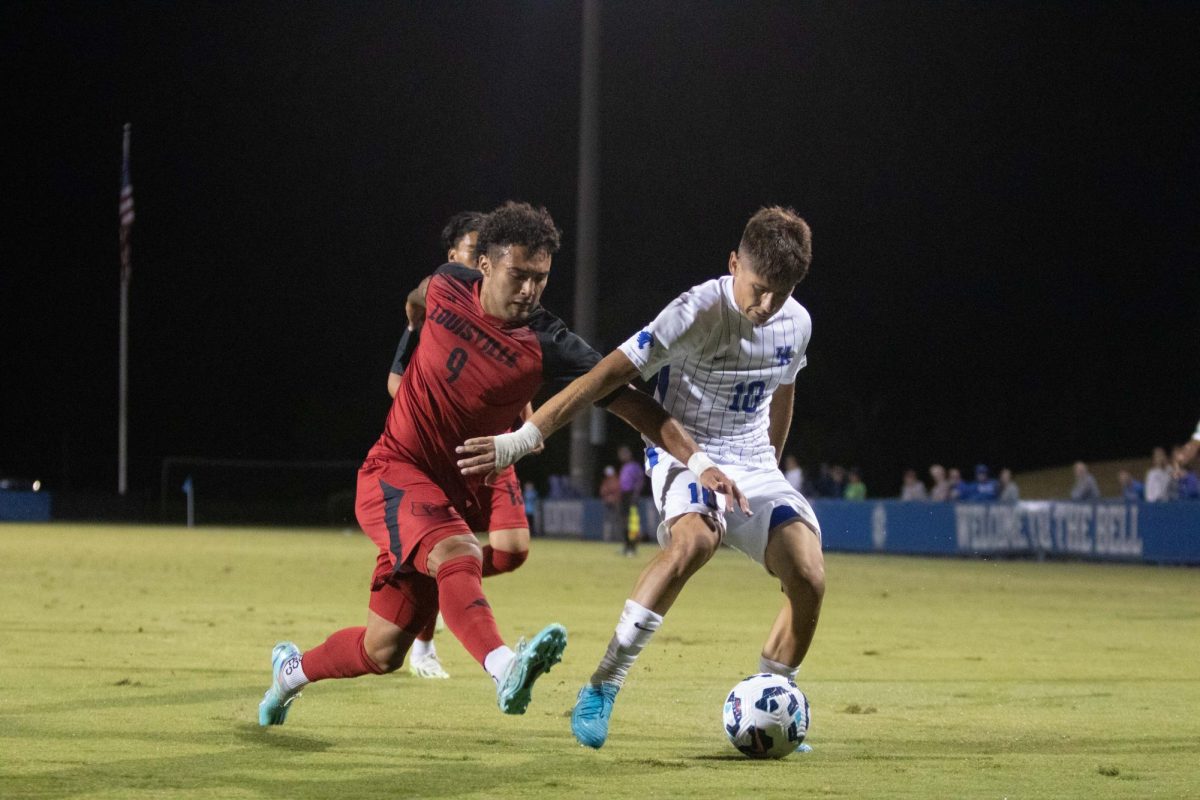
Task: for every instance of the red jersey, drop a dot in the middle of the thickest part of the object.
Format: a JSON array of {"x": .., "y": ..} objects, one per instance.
[{"x": 471, "y": 375}]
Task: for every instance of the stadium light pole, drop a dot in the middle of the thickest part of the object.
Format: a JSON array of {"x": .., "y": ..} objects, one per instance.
[{"x": 587, "y": 223}]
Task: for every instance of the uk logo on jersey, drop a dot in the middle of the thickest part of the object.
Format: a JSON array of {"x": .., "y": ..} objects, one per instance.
[
  {"x": 644, "y": 339},
  {"x": 784, "y": 355}
]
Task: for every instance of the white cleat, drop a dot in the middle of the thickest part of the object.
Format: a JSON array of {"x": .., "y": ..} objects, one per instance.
[{"x": 428, "y": 667}]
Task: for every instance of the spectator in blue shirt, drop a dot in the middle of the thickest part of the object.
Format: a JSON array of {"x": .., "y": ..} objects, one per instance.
[
  {"x": 984, "y": 489},
  {"x": 1131, "y": 491}
]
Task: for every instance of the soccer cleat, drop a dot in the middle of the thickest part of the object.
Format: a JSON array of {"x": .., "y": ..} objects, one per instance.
[
  {"x": 531, "y": 659},
  {"x": 803, "y": 748},
  {"x": 428, "y": 667},
  {"x": 274, "y": 707},
  {"x": 589, "y": 718}
]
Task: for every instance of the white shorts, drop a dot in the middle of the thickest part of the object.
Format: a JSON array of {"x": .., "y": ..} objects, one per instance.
[{"x": 773, "y": 500}]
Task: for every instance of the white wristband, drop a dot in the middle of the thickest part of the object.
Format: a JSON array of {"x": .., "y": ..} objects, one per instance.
[
  {"x": 700, "y": 462},
  {"x": 512, "y": 447}
]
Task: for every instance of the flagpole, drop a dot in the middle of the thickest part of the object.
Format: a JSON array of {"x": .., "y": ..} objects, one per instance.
[{"x": 126, "y": 214}]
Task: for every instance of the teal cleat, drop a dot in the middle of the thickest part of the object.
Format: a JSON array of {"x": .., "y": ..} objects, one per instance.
[
  {"x": 274, "y": 707},
  {"x": 532, "y": 659},
  {"x": 803, "y": 748},
  {"x": 589, "y": 718}
]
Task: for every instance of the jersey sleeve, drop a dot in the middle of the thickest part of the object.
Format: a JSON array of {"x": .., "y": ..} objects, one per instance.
[
  {"x": 677, "y": 331},
  {"x": 565, "y": 356},
  {"x": 404, "y": 350},
  {"x": 802, "y": 333}
]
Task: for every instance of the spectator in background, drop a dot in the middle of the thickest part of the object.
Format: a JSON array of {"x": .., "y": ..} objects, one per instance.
[
  {"x": 1184, "y": 483},
  {"x": 837, "y": 477},
  {"x": 610, "y": 495},
  {"x": 1009, "y": 491},
  {"x": 940, "y": 491},
  {"x": 1131, "y": 491},
  {"x": 824, "y": 484},
  {"x": 984, "y": 488},
  {"x": 912, "y": 489},
  {"x": 1085, "y": 487},
  {"x": 957, "y": 486},
  {"x": 1158, "y": 477},
  {"x": 855, "y": 488},
  {"x": 632, "y": 477},
  {"x": 532, "y": 505},
  {"x": 792, "y": 472}
]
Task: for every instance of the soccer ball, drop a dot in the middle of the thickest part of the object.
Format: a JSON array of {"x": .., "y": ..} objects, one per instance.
[{"x": 766, "y": 716}]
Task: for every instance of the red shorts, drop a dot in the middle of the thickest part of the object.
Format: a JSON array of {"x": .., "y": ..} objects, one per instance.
[{"x": 406, "y": 513}]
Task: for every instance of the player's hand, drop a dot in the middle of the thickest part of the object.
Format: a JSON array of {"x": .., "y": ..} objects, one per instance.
[
  {"x": 717, "y": 481},
  {"x": 478, "y": 456}
]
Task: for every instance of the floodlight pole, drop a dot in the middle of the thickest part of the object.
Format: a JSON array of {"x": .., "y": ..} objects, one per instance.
[
  {"x": 587, "y": 225},
  {"x": 123, "y": 335}
]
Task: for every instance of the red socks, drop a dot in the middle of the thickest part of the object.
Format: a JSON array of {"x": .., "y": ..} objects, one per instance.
[
  {"x": 465, "y": 609},
  {"x": 498, "y": 561},
  {"x": 342, "y": 655}
]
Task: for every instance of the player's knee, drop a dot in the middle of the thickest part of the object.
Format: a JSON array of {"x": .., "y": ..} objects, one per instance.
[
  {"x": 504, "y": 561},
  {"x": 806, "y": 577},
  {"x": 692, "y": 544},
  {"x": 387, "y": 654}
]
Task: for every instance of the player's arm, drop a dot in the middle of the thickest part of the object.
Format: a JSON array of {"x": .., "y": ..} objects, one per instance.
[
  {"x": 652, "y": 420},
  {"x": 780, "y": 415},
  {"x": 614, "y": 372},
  {"x": 414, "y": 304},
  {"x": 414, "y": 309}
]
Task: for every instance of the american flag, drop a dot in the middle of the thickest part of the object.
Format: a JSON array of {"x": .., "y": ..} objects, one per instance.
[{"x": 125, "y": 207}]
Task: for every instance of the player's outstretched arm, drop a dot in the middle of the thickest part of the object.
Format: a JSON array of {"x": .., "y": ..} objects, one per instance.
[
  {"x": 414, "y": 305},
  {"x": 487, "y": 453},
  {"x": 652, "y": 420}
]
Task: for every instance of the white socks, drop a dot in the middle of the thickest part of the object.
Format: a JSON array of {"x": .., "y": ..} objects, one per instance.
[
  {"x": 767, "y": 665},
  {"x": 497, "y": 661},
  {"x": 636, "y": 626},
  {"x": 420, "y": 650},
  {"x": 291, "y": 674}
]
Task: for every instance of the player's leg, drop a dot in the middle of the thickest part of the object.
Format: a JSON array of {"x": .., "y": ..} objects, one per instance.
[
  {"x": 793, "y": 554},
  {"x": 400, "y": 606},
  {"x": 502, "y": 515},
  {"x": 456, "y": 563},
  {"x": 694, "y": 537}
]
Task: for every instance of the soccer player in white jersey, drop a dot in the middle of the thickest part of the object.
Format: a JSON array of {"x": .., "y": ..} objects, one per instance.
[{"x": 725, "y": 356}]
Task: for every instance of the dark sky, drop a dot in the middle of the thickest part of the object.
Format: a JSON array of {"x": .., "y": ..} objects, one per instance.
[{"x": 1004, "y": 201}]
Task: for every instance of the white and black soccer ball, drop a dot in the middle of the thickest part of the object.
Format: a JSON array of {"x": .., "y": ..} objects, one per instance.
[{"x": 766, "y": 716}]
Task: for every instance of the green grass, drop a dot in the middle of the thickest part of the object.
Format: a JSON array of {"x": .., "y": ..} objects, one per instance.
[{"x": 132, "y": 661}]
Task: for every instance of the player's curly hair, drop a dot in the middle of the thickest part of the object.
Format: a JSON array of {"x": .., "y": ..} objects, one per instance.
[
  {"x": 779, "y": 244},
  {"x": 460, "y": 225},
  {"x": 519, "y": 223}
]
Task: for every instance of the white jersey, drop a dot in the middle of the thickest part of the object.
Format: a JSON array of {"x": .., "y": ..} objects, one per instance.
[{"x": 716, "y": 371}]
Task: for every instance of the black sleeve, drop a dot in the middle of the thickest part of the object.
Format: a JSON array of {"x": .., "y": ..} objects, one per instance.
[
  {"x": 404, "y": 350},
  {"x": 565, "y": 356},
  {"x": 459, "y": 272}
]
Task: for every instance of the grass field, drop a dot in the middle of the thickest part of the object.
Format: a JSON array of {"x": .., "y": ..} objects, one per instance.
[{"x": 132, "y": 661}]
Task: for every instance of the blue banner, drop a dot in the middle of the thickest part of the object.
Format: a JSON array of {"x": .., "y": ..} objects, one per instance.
[{"x": 1115, "y": 531}]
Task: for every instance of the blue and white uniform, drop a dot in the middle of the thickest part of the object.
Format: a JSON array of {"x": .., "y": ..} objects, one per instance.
[{"x": 716, "y": 373}]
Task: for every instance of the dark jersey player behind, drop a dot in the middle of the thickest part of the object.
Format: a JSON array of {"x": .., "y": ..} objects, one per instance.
[{"x": 486, "y": 347}]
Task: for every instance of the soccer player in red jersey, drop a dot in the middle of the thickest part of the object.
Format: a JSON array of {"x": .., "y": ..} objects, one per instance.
[
  {"x": 486, "y": 347},
  {"x": 503, "y": 553}
]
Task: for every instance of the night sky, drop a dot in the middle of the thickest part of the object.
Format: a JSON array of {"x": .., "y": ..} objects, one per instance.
[{"x": 1003, "y": 196}]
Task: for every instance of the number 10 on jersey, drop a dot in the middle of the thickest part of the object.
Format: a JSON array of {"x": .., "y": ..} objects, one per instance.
[{"x": 746, "y": 397}]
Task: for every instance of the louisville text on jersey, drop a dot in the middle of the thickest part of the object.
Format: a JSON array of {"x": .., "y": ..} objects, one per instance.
[{"x": 464, "y": 329}]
